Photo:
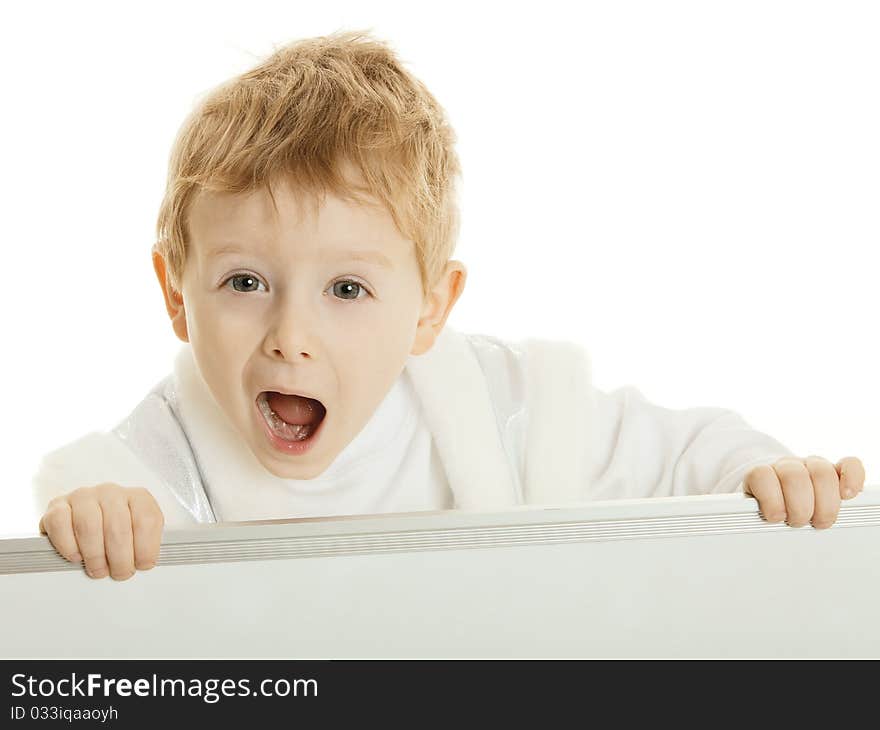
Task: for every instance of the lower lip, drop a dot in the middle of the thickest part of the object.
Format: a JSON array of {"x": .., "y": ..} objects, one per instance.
[{"x": 290, "y": 447}]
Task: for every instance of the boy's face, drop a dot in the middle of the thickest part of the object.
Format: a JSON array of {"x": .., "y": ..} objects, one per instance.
[{"x": 283, "y": 303}]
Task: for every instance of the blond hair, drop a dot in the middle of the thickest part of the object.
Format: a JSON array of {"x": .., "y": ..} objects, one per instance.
[{"x": 303, "y": 114}]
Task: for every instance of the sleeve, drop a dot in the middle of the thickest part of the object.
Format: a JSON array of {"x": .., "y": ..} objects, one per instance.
[
  {"x": 644, "y": 450},
  {"x": 95, "y": 459}
]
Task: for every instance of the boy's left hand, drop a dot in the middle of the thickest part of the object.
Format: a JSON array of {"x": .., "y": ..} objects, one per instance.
[{"x": 804, "y": 490}]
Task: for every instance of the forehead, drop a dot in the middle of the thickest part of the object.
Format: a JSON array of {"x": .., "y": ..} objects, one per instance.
[{"x": 250, "y": 220}]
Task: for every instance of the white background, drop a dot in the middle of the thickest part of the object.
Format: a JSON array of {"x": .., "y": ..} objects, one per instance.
[{"x": 690, "y": 189}]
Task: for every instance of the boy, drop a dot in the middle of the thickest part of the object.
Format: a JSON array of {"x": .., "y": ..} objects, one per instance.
[{"x": 304, "y": 254}]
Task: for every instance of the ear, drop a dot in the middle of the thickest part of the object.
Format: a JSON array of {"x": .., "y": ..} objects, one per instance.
[
  {"x": 438, "y": 305},
  {"x": 173, "y": 298}
]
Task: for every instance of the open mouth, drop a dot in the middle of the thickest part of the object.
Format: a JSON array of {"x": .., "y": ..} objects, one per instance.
[{"x": 291, "y": 417}]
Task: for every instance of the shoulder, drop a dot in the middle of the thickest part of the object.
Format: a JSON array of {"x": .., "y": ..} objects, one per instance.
[
  {"x": 89, "y": 454},
  {"x": 534, "y": 363},
  {"x": 89, "y": 460},
  {"x": 495, "y": 354},
  {"x": 98, "y": 458},
  {"x": 544, "y": 373}
]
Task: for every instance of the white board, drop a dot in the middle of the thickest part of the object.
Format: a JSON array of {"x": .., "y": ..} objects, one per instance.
[{"x": 700, "y": 576}]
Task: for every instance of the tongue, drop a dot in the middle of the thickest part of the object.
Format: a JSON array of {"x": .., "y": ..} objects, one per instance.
[{"x": 296, "y": 410}]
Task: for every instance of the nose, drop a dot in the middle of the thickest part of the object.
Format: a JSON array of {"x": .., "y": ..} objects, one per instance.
[{"x": 290, "y": 332}]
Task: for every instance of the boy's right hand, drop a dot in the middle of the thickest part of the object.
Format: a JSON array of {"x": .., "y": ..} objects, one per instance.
[{"x": 109, "y": 527}]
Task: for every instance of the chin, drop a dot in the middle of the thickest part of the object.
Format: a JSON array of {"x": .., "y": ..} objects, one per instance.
[{"x": 294, "y": 471}]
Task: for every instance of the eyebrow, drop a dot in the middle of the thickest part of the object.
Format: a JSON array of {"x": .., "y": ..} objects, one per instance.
[{"x": 370, "y": 257}]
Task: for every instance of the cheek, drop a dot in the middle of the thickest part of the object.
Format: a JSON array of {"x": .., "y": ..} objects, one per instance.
[
  {"x": 223, "y": 346},
  {"x": 372, "y": 364},
  {"x": 227, "y": 328}
]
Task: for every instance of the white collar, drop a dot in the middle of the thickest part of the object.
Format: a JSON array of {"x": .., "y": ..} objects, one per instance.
[{"x": 235, "y": 477}]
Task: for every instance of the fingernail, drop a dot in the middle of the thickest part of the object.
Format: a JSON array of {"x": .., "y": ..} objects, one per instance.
[
  {"x": 847, "y": 493},
  {"x": 98, "y": 573},
  {"x": 76, "y": 558}
]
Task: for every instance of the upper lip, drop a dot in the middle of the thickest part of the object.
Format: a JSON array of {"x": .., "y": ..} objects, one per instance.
[{"x": 289, "y": 391}]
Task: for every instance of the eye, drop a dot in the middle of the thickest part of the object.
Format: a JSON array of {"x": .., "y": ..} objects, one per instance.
[
  {"x": 248, "y": 281},
  {"x": 344, "y": 287}
]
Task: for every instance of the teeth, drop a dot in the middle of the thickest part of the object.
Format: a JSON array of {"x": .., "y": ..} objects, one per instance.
[{"x": 282, "y": 428}]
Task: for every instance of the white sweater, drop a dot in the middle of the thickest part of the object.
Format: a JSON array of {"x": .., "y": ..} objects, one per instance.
[{"x": 476, "y": 423}]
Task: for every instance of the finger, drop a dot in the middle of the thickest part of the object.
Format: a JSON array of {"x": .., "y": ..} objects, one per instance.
[
  {"x": 52, "y": 502},
  {"x": 88, "y": 526},
  {"x": 826, "y": 491},
  {"x": 118, "y": 542},
  {"x": 797, "y": 490},
  {"x": 147, "y": 522},
  {"x": 763, "y": 484},
  {"x": 852, "y": 476},
  {"x": 58, "y": 526}
]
